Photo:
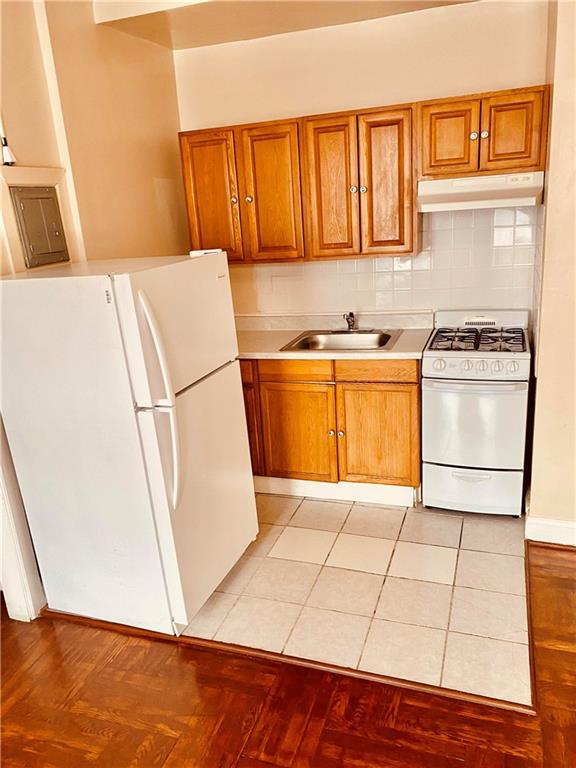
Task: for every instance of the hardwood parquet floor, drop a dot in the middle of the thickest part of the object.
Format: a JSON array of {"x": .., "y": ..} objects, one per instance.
[{"x": 79, "y": 695}]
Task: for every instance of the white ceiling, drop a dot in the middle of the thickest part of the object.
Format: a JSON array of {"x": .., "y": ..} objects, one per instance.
[{"x": 195, "y": 23}]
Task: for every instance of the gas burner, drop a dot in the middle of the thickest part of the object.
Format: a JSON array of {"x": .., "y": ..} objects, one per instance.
[
  {"x": 479, "y": 339},
  {"x": 455, "y": 339},
  {"x": 501, "y": 340}
]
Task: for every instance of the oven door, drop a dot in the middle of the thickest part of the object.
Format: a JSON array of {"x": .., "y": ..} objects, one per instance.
[{"x": 474, "y": 423}]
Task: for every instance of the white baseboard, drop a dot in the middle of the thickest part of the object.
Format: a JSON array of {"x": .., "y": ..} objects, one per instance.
[
  {"x": 369, "y": 493},
  {"x": 551, "y": 531}
]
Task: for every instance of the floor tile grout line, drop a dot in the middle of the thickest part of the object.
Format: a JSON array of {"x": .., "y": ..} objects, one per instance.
[
  {"x": 368, "y": 616},
  {"x": 236, "y": 598},
  {"x": 301, "y": 610},
  {"x": 451, "y": 603},
  {"x": 371, "y": 616},
  {"x": 322, "y": 566},
  {"x": 382, "y": 587}
]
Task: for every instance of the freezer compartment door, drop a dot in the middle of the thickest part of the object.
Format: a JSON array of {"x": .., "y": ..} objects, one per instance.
[
  {"x": 177, "y": 322},
  {"x": 474, "y": 424},
  {"x": 472, "y": 490},
  {"x": 202, "y": 489}
]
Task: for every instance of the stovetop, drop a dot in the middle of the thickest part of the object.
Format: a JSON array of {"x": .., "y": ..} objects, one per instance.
[
  {"x": 480, "y": 345},
  {"x": 472, "y": 339}
]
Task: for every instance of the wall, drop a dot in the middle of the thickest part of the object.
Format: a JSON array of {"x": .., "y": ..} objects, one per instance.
[
  {"x": 119, "y": 106},
  {"x": 30, "y": 109},
  {"x": 478, "y": 258},
  {"x": 554, "y": 456},
  {"x": 440, "y": 52},
  {"x": 26, "y": 107},
  {"x": 102, "y": 105}
]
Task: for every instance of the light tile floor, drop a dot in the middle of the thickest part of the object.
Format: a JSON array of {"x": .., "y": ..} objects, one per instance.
[{"x": 424, "y": 595}]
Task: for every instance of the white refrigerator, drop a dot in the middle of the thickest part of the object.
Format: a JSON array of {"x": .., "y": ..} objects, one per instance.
[{"x": 122, "y": 402}]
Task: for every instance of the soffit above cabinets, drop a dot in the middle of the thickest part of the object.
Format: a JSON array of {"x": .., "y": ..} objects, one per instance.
[{"x": 196, "y": 23}]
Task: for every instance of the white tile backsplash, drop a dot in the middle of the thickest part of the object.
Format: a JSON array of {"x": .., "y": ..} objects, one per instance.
[{"x": 483, "y": 258}]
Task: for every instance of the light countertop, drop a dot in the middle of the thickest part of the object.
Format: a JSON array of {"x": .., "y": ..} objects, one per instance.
[{"x": 266, "y": 344}]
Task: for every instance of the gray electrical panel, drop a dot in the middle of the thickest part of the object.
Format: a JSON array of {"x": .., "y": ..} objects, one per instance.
[{"x": 40, "y": 225}]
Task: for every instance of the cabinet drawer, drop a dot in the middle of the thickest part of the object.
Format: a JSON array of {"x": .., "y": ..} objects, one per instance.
[
  {"x": 377, "y": 370},
  {"x": 295, "y": 370}
]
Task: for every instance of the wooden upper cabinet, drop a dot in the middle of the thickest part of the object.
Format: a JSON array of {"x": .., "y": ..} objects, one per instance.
[
  {"x": 386, "y": 181},
  {"x": 494, "y": 133},
  {"x": 209, "y": 170},
  {"x": 513, "y": 131},
  {"x": 299, "y": 429},
  {"x": 450, "y": 137},
  {"x": 379, "y": 433},
  {"x": 269, "y": 175},
  {"x": 331, "y": 186}
]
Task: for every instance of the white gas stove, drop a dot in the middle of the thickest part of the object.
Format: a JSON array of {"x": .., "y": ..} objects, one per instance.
[{"x": 475, "y": 373}]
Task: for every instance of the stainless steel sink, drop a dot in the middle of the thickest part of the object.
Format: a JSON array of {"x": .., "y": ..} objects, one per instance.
[{"x": 342, "y": 341}]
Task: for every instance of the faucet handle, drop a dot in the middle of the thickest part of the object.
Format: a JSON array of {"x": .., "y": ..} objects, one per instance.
[{"x": 350, "y": 319}]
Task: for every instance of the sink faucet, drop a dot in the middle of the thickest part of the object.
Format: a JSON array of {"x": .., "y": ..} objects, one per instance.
[{"x": 350, "y": 319}]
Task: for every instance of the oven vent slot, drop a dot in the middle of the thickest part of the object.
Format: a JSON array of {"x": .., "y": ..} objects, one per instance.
[{"x": 479, "y": 323}]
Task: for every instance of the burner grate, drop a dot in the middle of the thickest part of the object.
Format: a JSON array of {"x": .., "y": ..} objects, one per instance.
[
  {"x": 486, "y": 339},
  {"x": 455, "y": 338},
  {"x": 501, "y": 340}
]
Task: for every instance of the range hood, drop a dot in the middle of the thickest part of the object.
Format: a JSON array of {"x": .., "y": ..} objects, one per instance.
[{"x": 500, "y": 191}]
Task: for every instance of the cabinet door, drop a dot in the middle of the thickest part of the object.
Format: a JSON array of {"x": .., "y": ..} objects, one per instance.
[
  {"x": 298, "y": 425},
  {"x": 270, "y": 191},
  {"x": 331, "y": 187},
  {"x": 251, "y": 407},
  {"x": 250, "y": 388},
  {"x": 513, "y": 131},
  {"x": 378, "y": 433},
  {"x": 211, "y": 186},
  {"x": 449, "y": 137},
  {"x": 387, "y": 184}
]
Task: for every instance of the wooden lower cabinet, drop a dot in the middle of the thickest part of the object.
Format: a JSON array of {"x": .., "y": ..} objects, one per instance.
[
  {"x": 299, "y": 426},
  {"x": 378, "y": 433},
  {"x": 355, "y": 427}
]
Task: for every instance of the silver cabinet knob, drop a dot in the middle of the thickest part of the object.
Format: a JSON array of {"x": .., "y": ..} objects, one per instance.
[
  {"x": 249, "y": 199},
  {"x": 340, "y": 433},
  {"x": 233, "y": 199},
  {"x": 353, "y": 189},
  {"x": 473, "y": 135},
  {"x": 484, "y": 134},
  {"x": 363, "y": 190},
  {"x": 331, "y": 433}
]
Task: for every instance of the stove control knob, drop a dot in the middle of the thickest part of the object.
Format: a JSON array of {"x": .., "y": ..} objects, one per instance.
[
  {"x": 497, "y": 366},
  {"x": 482, "y": 365},
  {"x": 467, "y": 365},
  {"x": 439, "y": 364},
  {"x": 513, "y": 367}
]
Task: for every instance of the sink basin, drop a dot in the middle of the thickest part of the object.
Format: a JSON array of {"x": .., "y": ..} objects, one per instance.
[{"x": 342, "y": 341}]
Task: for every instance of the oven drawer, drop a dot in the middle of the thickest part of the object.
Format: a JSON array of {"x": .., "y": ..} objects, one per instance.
[
  {"x": 474, "y": 423},
  {"x": 472, "y": 490}
]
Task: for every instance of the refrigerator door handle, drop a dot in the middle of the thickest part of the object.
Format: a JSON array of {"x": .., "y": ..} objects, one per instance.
[
  {"x": 176, "y": 458},
  {"x": 176, "y": 465},
  {"x": 169, "y": 399}
]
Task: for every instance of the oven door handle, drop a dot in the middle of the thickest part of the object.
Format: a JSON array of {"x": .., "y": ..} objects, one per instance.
[{"x": 475, "y": 387}]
